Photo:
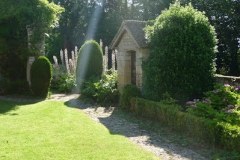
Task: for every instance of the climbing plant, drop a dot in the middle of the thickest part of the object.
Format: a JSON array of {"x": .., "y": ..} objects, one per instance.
[{"x": 15, "y": 18}]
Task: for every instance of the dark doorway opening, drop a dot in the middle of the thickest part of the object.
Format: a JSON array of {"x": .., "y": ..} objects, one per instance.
[{"x": 133, "y": 67}]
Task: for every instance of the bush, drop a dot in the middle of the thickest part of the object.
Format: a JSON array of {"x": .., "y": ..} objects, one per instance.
[
  {"x": 129, "y": 92},
  {"x": 62, "y": 81},
  {"x": 89, "y": 63},
  {"x": 182, "y": 47},
  {"x": 223, "y": 96},
  {"x": 211, "y": 131},
  {"x": 41, "y": 75},
  {"x": 104, "y": 90},
  {"x": 13, "y": 63},
  {"x": 16, "y": 86},
  {"x": 222, "y": 104}
]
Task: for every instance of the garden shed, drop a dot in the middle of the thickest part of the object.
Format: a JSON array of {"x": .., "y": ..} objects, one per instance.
[{"x": 132, "y": 48}]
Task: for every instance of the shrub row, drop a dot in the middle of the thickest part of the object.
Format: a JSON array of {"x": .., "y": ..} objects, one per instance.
[
  {"x": 129, "y": 92},
  {"x": 213, "y": 132}
]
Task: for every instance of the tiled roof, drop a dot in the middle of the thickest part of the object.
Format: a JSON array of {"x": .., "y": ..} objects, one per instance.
[{"x": 135, "y": 29}]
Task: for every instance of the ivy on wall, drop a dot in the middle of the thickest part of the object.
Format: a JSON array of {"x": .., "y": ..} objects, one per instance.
[{"x": 15, "y": 17}]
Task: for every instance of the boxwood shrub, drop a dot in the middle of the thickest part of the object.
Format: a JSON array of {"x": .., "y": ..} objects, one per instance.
[
  {"x": 213, "y": 132},
  {"x": 182, "y": 53},
  {"x": 129, "y": 92},
  {"x": 89, "y": 62},
  {"x": 41, "y": 75}
]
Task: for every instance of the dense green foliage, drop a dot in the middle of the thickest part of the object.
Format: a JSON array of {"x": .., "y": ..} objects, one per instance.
[
  {"x": 62, "y": 81},
  {"x": 221, "y": 104},
  {"x": 74, "y": 23},
  {"x": 129, "y": 92},
  {"x": 239, "y": 59},
  {"x": 102, "y": 91},
  {"x": 51, "y": 130},
  {"x": 89, "y": 63},
  {"x": 182, "y": 47},
  {"x": 108, "y": 15},
  {"x": 215, "y": 119},
  {"x": 225, "y": 17},
  {"x": 41, "y": 75},
  {"x": 13, "y": 56},
  {"x": 211, "y": 131},
  {"x": 15, "y": 16},
  {"x": 39, "y": 15}
]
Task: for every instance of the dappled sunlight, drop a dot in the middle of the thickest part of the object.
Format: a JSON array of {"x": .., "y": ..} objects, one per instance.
[{"x": 91, "y": 32}]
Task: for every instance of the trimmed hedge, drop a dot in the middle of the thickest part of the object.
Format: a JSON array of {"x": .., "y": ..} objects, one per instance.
[
  {"x": 182, "y": 52},
  {"x": 215, "y": 133},
  {"x": 129, "y": 92},
  {"x": 41, "y": 76},
  {"x": 89, "y": 63}
]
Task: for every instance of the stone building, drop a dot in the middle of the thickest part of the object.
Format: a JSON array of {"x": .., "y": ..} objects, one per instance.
[{"x": 132, "y": 49}]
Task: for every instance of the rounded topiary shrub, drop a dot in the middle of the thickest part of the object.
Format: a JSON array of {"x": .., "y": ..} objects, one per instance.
[
  {"x": 128, "y": 92},
  {"x": 182, "y": 53},
  {"x": 89, "y": 63},
  {"x": 41, "y": 75}
]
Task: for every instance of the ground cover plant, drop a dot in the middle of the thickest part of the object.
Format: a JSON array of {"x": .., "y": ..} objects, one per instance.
[
  {"x": 221, "y": 104},
  {"x": 51, "y": 130},
  {"x": 103, "y": 91}
]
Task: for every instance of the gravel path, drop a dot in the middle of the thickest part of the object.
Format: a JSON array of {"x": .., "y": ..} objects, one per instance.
[
  {"x": 150, "y": 140},
  {"x": 117, "y": 123}
]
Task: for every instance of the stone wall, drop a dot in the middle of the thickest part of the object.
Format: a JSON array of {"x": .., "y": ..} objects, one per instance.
[
  {"x": 235, "y": 81},
  {"x": 124, "y": 59},
  {"x": 125, "y": 47}
]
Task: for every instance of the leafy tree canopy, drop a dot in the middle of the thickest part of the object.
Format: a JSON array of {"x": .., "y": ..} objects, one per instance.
[{"x": 31, "y": 12}]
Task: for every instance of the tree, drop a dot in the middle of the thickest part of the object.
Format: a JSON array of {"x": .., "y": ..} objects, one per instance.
[
  {"x": 225, "y": 16},
  {"x": 15, "y": 16},
  {"x": 182, "y": 46},
  {"x": 72, "y": 27}
]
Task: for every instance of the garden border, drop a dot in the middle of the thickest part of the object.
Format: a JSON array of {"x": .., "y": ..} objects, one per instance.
[{"x": 215, "y": 133}]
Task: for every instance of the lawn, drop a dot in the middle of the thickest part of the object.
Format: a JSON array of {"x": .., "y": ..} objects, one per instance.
[{"x": 51, "y": 130}]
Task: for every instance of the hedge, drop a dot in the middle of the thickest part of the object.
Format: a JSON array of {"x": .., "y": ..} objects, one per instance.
[
  {"x": 41, "y": 76},
  {"x": 212, "y": 132},
  {"x": 182, "y": 52}
]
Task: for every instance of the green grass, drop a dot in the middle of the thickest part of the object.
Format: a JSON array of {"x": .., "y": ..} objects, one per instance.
[{"x": 51, "y": 130}]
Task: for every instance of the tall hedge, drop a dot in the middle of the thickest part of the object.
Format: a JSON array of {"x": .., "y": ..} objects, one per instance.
[
  {"x": 90, "y": 62},
  {"x": 41, "y": 75},
  {"x": 182, "y": 53}
]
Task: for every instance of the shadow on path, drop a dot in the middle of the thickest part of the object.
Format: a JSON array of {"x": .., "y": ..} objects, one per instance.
[{"x": 159, "y": 141}]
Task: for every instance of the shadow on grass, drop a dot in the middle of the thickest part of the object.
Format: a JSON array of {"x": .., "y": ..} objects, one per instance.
[
  {"x": 160, "y": 138},
  {"x": 126, "y": 124},
  {"x": 9, "y": 103}
]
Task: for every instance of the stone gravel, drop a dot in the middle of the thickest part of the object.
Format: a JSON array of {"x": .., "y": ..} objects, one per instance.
[{"x": 147, "y": 139}]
